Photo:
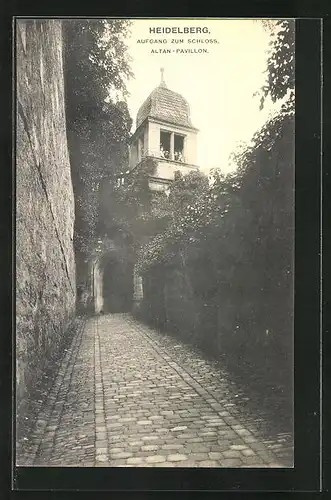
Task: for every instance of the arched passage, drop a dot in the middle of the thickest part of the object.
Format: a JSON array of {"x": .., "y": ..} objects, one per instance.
[
  {"x": 117, "y": 287},
  {"x": 112, "y": 283}
]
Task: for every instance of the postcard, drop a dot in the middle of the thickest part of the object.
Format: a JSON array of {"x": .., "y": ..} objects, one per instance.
[{"x": 155, "y": 242}]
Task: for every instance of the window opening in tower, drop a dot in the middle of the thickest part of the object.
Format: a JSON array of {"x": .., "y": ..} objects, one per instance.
[{"x": 165, "y": 144}]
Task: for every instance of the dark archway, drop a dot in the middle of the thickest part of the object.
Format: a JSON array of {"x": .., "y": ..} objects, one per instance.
[{"x": 117, "y": 286}]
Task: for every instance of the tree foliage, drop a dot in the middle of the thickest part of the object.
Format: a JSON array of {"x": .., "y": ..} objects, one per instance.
[
  {"x": 96, "y": 66},
  {"x": 280, "y": 74},
  {"x": 131, "y": 207},
  {"x": 186, "y": 190}
]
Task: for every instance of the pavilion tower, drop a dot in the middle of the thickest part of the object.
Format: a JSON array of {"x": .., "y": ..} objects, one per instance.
[{"x": 164, "y": 132}]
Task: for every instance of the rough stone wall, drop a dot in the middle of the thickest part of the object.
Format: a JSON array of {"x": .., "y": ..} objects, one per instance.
[{"x": 45, "y": 266}]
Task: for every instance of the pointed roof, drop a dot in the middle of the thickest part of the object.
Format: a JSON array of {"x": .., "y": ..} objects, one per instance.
[{"x": 165, "y": 105}]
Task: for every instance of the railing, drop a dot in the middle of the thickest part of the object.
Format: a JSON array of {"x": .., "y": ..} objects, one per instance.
[{"x": 166, "y": 155}]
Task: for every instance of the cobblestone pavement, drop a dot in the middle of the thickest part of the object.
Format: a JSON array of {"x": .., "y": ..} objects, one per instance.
[{"x": 127, "y": 396}]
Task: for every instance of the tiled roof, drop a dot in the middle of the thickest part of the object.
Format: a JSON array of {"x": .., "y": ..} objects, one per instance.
[{"x": 164, "y": 104}]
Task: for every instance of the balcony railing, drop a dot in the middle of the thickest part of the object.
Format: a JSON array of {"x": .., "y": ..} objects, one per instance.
[{"x": 164, "y": 154}]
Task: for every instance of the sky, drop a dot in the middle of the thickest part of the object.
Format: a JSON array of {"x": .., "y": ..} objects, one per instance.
[{"x": 218, "y": 86}]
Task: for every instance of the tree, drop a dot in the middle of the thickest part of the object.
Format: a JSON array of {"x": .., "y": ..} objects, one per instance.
[
  {"x": 96, "y": 65},
  {"x": 126, "y": 203},
  {"x": 280, "y": 74}
]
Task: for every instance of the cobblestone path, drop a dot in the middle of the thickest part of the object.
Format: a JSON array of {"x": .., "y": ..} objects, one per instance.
[{"x": 127, "y": 396}]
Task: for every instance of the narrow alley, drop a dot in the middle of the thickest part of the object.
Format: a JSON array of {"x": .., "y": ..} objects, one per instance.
[{"x": 125, "y": 395}]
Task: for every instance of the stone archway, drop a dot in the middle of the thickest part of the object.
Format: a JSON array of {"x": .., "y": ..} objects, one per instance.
[
  {"x": 117, "y": 286},
  {"x": 112, "y": 283}
]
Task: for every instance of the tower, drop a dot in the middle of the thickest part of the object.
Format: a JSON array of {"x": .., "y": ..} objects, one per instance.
[{"x": 165, "y": 133}]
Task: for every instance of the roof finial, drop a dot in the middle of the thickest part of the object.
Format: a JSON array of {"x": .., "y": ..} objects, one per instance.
[{"x": 162, "y": 83}]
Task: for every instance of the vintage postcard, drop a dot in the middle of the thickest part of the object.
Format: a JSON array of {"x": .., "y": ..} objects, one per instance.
[{"x": 154, "y": 242}]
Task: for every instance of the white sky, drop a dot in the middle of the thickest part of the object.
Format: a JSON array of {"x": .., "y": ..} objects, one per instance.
[{"x": 218, "y": 86}]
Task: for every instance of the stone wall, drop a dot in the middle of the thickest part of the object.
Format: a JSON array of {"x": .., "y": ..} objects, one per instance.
[{"x": 45, "y": 266}]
